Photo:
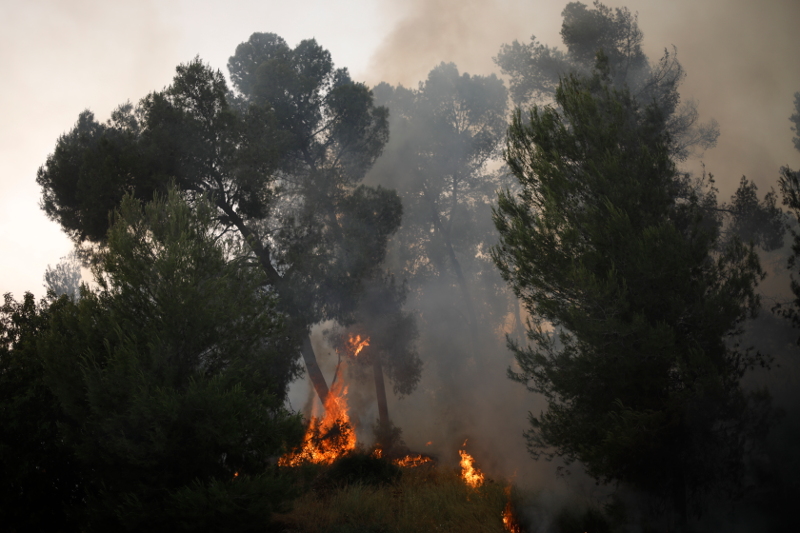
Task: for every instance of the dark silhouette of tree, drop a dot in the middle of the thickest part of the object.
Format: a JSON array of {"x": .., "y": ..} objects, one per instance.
[
  {"x": 43, "y": 481},
  {"x": 65, "y": 277},
  {"x": 392, "y": 335},
  {"x": 795, "y": 118},
  {"x": 535, "y": 70},
  {"x": 443, "y": 136},
  {"x": 281, "y": 157},
  {"x": 789, "y": 182},
  {"x": 173, "y": 375},
  {"x": 635, "y": 301}
]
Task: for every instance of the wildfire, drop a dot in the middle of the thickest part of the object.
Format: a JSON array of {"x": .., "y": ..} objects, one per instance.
[
  {"x": 509, "y": 518},
  {"x": 328, "y": 438},
  {"x": 410, "y": 460},
  {"x": 469, "y": 472},
  {"x": 413, "y": 460},
  {"x": 355, "y": 344}
]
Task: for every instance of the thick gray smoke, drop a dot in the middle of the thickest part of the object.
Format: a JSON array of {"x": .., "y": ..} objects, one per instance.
[{"x": 735, "y": 57}]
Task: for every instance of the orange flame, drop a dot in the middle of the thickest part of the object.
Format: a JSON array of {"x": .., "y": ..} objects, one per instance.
[
  {"x": 413, "y": 460},
  {"x": 328, "y": 438},
  {"x": 469, "y": 472},
  {"x": 509, "y": 518},
  {"x": 356, "y": 344}
]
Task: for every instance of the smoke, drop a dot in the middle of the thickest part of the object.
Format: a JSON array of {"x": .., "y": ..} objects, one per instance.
[
  {"x": 740, "y": 62},
  {"x": 59, "y": 58},
  {"x": 739, "y": 57},
  {"x": 465, "y": 32}
]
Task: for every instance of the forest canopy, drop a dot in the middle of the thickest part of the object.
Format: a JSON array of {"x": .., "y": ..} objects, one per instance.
[{"x": 245, "y": 230}]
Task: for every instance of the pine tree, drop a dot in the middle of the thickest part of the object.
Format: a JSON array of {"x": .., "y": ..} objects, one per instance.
[{"x": 634, "y": 300}]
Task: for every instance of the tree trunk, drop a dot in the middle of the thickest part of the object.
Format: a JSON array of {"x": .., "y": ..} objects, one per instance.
[
  {"x": 519, "y": 326},
  {"x": 380, "y": 392},
  {"x": 462, "y": 283},
  {"x": 314, "y": 372},
  {"x": 263, "y": 256},
  {"x": 679, "y": 499}
]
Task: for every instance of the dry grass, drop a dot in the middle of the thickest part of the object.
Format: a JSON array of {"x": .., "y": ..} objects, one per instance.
[{"x": 425, "y": 499}]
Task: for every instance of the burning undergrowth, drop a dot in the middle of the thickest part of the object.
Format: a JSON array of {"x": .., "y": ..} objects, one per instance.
[
  {"x": 431, "y": 498},
  {"x": 355, "y": 484}
]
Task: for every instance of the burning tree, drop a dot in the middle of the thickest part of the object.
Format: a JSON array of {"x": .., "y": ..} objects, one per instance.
[
  {"x": 633, "y": 299},
  {"x": 389, "y": 345},
  {"x": 281, "y": 156}
]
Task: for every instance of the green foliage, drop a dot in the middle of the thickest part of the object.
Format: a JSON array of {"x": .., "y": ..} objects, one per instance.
[
  {"x": 444, "y": 134},
  {"x": 591, "y": 519},
  {"x": 392, "y": 332},
  {"x": 42, "y": 479},
  {"x": 761, "y": 223},
  {"x": 634, "y": 302},
  {"x": 423, "y": 499},
  {"x": 363, "y": 468},
  {"x": 65, "y": 277},
  {"x": 242, "y": 504},
  {"x": 281, "y": 158},
  {"x": 172, "y": 376},
  {"x": 795, "y": 118},
  {"x": 789, "y": 182},
  {"x": 535, "y": 70}
]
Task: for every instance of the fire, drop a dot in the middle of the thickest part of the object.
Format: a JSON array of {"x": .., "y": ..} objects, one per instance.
[
  {"x": 328, "y": 438},
  {"x": 356, "y": 344},
  {"x": 471, "y": 474},
  {"x": 412, "y": 460},
  {"x": 509, "y": 518}
]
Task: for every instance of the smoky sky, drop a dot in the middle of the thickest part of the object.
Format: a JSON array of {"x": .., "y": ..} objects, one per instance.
[{"x": 741, "y": 59}]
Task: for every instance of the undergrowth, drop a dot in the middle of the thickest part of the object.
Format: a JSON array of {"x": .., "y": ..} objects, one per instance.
[{"x": 420, "y": 499}]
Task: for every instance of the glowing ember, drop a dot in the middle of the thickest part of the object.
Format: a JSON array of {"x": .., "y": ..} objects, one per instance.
[
  {"x": 413, "y": 460},
  {"x": 356, "y": 344},
  {"x": 410, "y": 460},
  {"x": 471, "y": 474},
  {"x": 328, "y": 438}
]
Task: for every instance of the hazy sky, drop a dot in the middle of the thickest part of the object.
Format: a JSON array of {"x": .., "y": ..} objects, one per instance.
[{"x": 60, "y": 57}]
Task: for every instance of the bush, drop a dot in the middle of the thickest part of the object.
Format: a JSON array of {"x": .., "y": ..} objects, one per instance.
[
  {"x": 590, "y": 521},
  {"x": 360, "y": 467}
]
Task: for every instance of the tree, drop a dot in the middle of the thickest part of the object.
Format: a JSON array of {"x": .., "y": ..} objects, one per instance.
[
  {"x": 795, "y": 118},
  {"x": 761, "y": 223},
  {"x": 535, "y": 70},
  {"x": 281, "y": 157},
  {"x": 65, "y": 277},
  {"x": 635, "y": 303},
  {"x": 789, "y": 182},
  {"x": 42, "y": 484},
  {"x": 443, "y": 136},
  {"x": 173, "y": 375},
  {"x": 390, "y": 333}
]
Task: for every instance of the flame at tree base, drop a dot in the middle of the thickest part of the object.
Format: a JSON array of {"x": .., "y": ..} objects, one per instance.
[
  {"x": 326, "y": 438},
  {"x": 409, "y": 460}
]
